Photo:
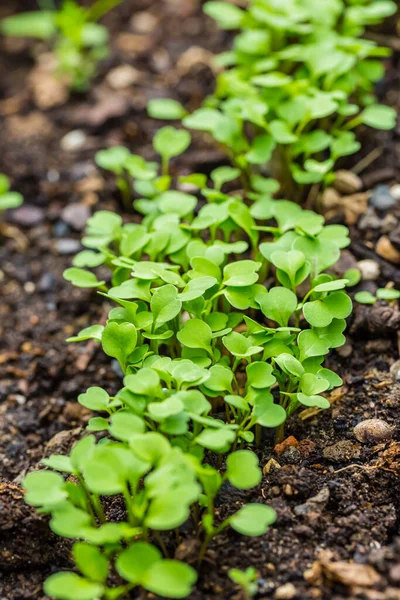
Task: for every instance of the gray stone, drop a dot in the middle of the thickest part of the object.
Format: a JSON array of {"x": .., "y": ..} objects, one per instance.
[
  {"x": 27, "y": 215},
  {"x": 76, "y": 215},
  {"x": 67, "y": 246},
  {"x": 382, "y": 199}
]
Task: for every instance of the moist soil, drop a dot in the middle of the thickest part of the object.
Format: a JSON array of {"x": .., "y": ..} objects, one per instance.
[{"x": 337, "y": 498}]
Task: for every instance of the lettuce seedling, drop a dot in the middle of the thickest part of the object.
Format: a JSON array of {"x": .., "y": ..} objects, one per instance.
[
  {"x": 8, "y": 199},
  {"x": 132, "y": 169},
  {"x": 246, "y": 580},
  {"x": 294, "y": 87},
  {"x": 78, "y": 41},
  {"x": 388, "y": 294},
  {"x": 159, "y": 485}
]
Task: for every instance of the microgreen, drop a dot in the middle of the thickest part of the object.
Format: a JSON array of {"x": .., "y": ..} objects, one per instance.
[
  {"x": 294, "y": 87},
  {"x": 8, "y": 199},
  {"x": 388, "y": 294},
  {"x": 78, "y": 41}
]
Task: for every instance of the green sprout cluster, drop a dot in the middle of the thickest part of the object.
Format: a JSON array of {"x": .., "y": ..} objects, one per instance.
[
  {"x": 78, "y": 41},
  {"x": 299, "y": 79},
  {"x": 224, "y": 304},
  {"x": 224, "y": 309}
]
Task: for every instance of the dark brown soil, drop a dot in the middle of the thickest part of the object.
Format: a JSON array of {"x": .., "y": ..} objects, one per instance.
[{"x": 338, "y": 500}]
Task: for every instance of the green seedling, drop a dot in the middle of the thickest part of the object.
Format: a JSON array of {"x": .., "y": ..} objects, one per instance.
[
  {"x": 388, "y": 294},
  {"x": 161, "y": 487},
  {"x": 134, "y": 174},
  {"x": 293, "y": 89},
  {"x": 246, "y": 580},
  {"x": 8, "y": 199},
  {"x": 78, "y": 41}
]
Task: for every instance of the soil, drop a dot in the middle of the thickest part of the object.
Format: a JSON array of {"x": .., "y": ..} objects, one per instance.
[{"x": 337, "y": 499}]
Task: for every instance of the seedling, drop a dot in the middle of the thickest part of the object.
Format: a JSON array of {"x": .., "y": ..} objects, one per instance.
[
  {"x": 8, "y": 199},
  {"x": 388, "y": 294},
  {"x": 132, "y": 170},
  {"x": 159, "y": 484},
  {"x": 246, "y": 580},
  {"x": 293, "y": 89},
  {"x": 78, "y": 41}
]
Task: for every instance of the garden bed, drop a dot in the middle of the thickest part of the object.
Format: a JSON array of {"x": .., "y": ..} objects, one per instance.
[{"x": 337, "y": 498}]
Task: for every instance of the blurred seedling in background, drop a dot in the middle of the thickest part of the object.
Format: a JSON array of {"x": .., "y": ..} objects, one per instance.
[{"x": 79, "y": 43}]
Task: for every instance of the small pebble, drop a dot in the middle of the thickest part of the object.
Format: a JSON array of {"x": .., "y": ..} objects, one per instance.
[
  {"x": 46, "y": 282},
  {"x": 373, "y": 430},
  {"x": 347, "y": 182},
  {"x": 76, "y": 215},
  {"x": 61, "y": 229},
  {"x": 389, "y": 223},
  {"x": 395, "y": 191},
  {"x": 342, "y": 451},
  {"x": 395, "y": 370},
  {"x": 122, "y": 77},
  {"x": 73, "y": 140},
  {"x": 369, "y": 220},
  {"x": 67, "y": 246},
  {"x": 292, "y": 455},
  {"x": 345, "y": 351},
  {"x": 386, "y": 249},
  {"x": 285, "y": 592},
  {"x": 382, "y": 199},
  {"x": 369, "y": 268},
  {"x": 27, "y": 215}
]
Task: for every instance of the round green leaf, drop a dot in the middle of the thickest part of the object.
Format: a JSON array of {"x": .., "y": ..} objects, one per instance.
[
  {"x": 170, "y": 578},
  {"x": 242, "y": 469},
  {"x": 253, "y": 519},
  {"x": 166, "y": 109},
  {"x": 70, "y": 586},
  {"x": 169, "y": 142}
]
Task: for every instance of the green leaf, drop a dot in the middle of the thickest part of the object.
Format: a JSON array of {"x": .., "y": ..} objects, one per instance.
[
  {"x": 134, "y": 562},
  {"x": 112, "y": 159},
  {"x": 95, "y": 398},
  {"x": 321, "y": 313},
  {"x": 165, "y": 305},
  {"x": 261, "y": 150},
  {"x": 170, "y": 578},
  {"x": 160, "y": 411},
  {"x": 310, "y": 384},
  {"x": 165, "y": 108},
  {"x": 290, "y": 365},
  {"x": 259, "y": 375},
  {"x": 217, "y": 440},
  {"x": 253, "y": 519},
  {"x": 222, "y": 175},
  {"x": 93, "y": 332},
  {"x": 313, "y": 401},
  {"x": 196, "y": 334},
  {"x": 125, "y": 424},
  {"x": 228, "y": 16},
  {"x": 387, "y": 294},
  {"x": 88, "y": 258},
  {"x": 119, "y": 341},
  {"x": 281, "y": 132},
  {"x": 44, "y": 488},
  {"x": 266, "y": 412},
  {"x": 177, "y": 203},
  {"x": 39, "y": 24},
  {"x": 279, "y": 304},
  {"x": 82, "y": 278},
  {"x": 167, "y": 512},
  {"x": 240, "y": 346},
  {"x": 242, "y": 469},
  {"x": 90, "y": 561},
  {"x": 150, "y": 447},
  {"x": 365, "y": 298},
  {"x": 310, "y": 344},
  {"x": 241, "y": 273},
  {"x": 10, "y": 200},
  {"x": 379, "y": 116},
  {"x": 70, "y": 586},
  {"x": 169, "y": 142}
]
